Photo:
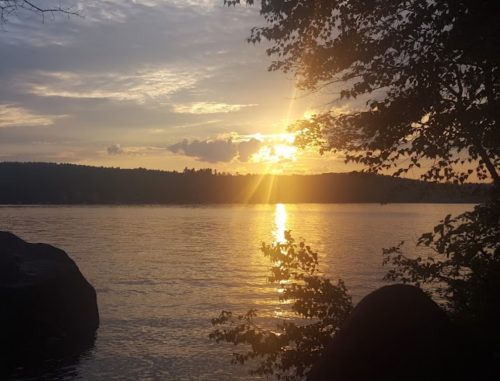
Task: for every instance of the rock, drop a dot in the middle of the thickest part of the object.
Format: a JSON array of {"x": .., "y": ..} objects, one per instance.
[
  {"x": 45, "y": 302},
  {"x": 395, "y": 333}
]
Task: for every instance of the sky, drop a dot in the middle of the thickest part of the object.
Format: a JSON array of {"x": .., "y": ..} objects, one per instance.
[{"x": 153, "y": 84}]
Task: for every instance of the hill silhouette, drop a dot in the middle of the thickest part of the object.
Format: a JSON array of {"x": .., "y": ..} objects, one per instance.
[{"x": 49, "y": 183}]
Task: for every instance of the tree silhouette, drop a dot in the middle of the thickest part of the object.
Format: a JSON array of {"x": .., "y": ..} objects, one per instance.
[
  {"x": 9, "y": 8},
  {"x": 50, "y": 183},
  {"x": 289, "y": 350},
  {"x": 420, "y": 80},
  {"x": 463, "y": 270},
  {"x": 427, "y": 73}
]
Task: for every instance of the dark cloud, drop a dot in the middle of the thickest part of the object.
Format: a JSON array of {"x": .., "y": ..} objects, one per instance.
[
  {"x": 211, "y": 151},
  {"x": 248, "y": 148},
  {"x": 216, "y": 151},
  {"x": 115, "y": 149}
]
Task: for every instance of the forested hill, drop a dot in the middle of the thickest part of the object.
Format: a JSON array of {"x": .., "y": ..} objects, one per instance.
[{"x": 46, "y": 183}]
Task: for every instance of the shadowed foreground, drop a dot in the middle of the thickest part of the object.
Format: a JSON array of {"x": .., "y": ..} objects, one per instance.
[
  {"x": 47, "y": 307},
  {"x": 395, "y": 333}
]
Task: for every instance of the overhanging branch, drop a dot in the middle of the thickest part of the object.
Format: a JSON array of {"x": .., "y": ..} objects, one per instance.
[{"x": 9, "y": 7}]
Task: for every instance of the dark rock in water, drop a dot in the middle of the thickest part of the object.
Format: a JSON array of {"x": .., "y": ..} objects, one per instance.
[
  {"x": 46, "y": 304},
  {"x": 395, "y": 333}
]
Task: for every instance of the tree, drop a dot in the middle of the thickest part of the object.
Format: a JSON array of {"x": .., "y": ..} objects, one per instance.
[
  {"x": 427, "y": 71},
  {"x": 289, "y": 351},
  {"x": 421, "y": 81},
  {"x": 14, "y": 7},
  {"x": 463, "y": 270}
]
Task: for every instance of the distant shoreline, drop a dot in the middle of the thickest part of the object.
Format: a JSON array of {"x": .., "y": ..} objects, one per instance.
[
  {"x": 239, "y": 204},
  {"x": 69, "y": 184}
]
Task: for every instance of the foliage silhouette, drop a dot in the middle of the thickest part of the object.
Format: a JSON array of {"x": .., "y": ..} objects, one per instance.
[
  {"x": 417, "y": 87},
  {"x": 289, "y": 351},
  {"x": 421, "y": 78},
  {"x": 14, "y": 7},
  {"x": 463, "y": 270}
]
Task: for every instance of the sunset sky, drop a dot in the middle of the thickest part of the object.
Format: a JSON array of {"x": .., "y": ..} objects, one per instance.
[{"x": 155, "y": 84}]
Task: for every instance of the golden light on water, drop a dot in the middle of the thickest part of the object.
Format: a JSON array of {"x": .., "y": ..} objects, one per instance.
[{"x": 280, "y": 219}]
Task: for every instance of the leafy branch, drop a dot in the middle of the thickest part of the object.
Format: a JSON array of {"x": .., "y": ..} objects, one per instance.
[
  {"x": 318, "y": 306},
  {"x": 462, "y": 270}
]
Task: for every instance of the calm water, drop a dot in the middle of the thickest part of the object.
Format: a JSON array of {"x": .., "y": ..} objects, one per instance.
[{"x": 161, "y": 273}]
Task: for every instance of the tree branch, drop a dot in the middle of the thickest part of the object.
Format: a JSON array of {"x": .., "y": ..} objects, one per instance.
[{"x": 7, "y": 7}]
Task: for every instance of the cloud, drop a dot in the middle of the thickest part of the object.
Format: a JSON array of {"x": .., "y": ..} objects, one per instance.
[
  {"x": 156, "y": 131},
  {"x": 11, "y": 116},
  {"x": 134, "y": 72},
  {"x": 208, "y": 108},
  {"x": 233, "y": 135},
  {"x": 55, "y": 157},
  {"x": 247, "y": 148},
  {"x": 140, "y": 86},
  {"x": 115, "y": 149},
  {"x": 223, "y": 149},
  {"x": 211, "y": 151}
]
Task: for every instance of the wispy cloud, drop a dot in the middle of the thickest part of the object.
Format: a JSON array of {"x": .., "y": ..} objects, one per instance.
[
  {"x": 11, "y": 116},
  {"x": 208, "y": 107},
  {"x": 117, "y": 149},
  {"x": 141, "y": 74},
  {"x": 140, "y": 86},
  {"x": 156, "y": 131}
]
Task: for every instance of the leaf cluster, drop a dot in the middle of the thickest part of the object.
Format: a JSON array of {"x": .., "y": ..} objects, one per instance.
[
  {"x": 463, "y": 269},
  {"x": 319, "y": 307},
  {"x": 427, "y": 73}
]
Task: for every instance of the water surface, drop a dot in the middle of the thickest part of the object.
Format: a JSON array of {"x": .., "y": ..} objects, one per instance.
[{"x": 162, "y": 272}]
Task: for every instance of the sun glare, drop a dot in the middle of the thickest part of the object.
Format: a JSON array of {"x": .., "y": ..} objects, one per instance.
[
  {"x": 308, "y": 115},
  {"x": 273, "y": 154}
]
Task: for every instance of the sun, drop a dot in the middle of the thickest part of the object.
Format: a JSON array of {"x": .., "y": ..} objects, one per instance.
[
  {"x": 276, "y": 151},
  {"x": 274, "y": 154}
]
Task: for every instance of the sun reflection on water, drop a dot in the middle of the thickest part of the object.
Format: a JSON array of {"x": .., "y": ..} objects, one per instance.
[{"x": 280, "y": 221}]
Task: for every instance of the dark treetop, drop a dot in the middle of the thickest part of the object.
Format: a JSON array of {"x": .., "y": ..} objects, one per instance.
[
  {"x": 421, "y": 80},
  {"x": 45, "y": 183}
]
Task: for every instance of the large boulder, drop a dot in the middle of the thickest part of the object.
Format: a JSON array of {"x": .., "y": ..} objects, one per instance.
[
  {"x": 395, "y": 333},
  {"x": 45, "y": 302}
]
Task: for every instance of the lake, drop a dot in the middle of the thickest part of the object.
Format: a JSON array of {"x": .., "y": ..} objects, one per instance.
[{"x": 162, "y": 272}]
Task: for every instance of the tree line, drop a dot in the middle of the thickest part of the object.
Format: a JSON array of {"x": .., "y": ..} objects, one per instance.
[{"x": 49, "y": 183}]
